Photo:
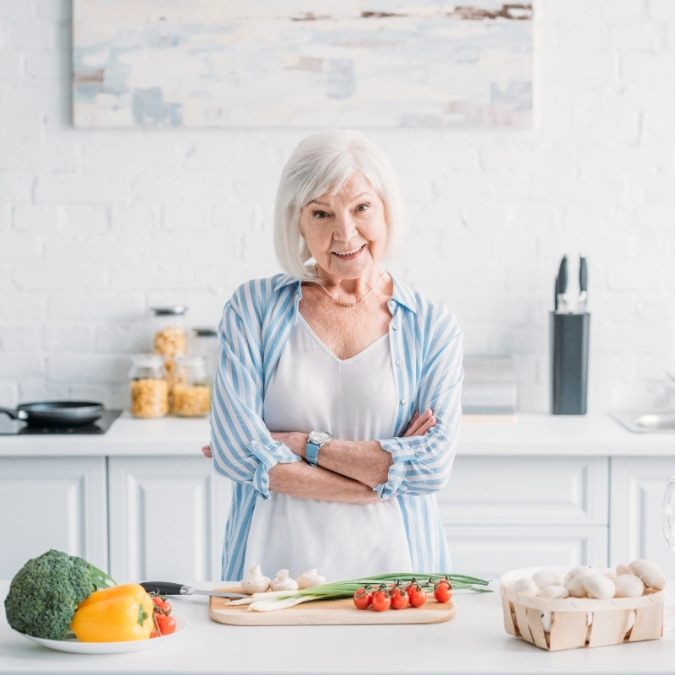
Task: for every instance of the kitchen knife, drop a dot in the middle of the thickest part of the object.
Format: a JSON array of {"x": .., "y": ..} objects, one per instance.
[
  {"x": 583, "y": 284},
  {"x": 170, "y": 588},
  {"x": 562, "y": 286}
]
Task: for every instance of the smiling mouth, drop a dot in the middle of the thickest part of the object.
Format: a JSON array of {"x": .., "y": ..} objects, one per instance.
[{"x": 349, "y": 254}]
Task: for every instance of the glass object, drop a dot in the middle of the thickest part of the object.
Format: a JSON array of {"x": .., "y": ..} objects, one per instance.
[
  {"x": 149, "y": 386},
  {"x": 191, "y": 388},
  {"x": 669, "y": 532},
  {"x": 204, "y": 343},
  {"x": 169, "y": 337}
]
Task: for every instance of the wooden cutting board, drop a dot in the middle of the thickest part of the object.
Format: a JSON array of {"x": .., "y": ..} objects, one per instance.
[{"x": 326, "y": 613}]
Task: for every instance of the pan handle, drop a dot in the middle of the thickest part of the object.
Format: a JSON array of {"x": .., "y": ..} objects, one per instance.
[{"x": 15, "y": 414}]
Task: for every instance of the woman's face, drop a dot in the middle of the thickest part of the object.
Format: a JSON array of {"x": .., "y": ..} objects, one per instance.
[{"x": 346, "y": 232}]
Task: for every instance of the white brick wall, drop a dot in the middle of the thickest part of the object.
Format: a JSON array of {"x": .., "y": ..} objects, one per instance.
[{"x": 96, "y": 226}]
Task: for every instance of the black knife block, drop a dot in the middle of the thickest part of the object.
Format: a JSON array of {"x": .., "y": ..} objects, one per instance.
[{"x": 569, "y": 363}]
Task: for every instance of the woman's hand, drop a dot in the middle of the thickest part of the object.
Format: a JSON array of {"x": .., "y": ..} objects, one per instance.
[
  {"x": 420, "y": 424},
  {"x": 206, "y": 451}
]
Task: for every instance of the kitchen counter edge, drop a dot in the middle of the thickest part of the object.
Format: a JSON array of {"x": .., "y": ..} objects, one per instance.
[{"x": 526, "y": 434}]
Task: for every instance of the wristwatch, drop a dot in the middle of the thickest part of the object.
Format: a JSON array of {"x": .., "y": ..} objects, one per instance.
[{"x": 315, "y": 440}]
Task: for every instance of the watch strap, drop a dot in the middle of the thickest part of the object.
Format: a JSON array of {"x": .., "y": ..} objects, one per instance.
[{"x": 312, "y": 453}]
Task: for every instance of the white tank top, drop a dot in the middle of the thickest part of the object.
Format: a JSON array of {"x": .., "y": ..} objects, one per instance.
[{"x": 354, "y": 399}]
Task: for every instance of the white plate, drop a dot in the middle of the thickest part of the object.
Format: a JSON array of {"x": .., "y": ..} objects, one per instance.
[{"x": 74, "y": 646}]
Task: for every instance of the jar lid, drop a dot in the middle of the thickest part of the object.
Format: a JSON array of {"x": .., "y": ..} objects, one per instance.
[
  {"x": 176, "y": 310},
  {"x": 205, "y": 332},
  {"x": 148, "y": 360}
]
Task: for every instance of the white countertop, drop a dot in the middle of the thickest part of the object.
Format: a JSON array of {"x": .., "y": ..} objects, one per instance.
[
  {"x": 527, "y": 434},
  {"x": 475, "y": 642}
]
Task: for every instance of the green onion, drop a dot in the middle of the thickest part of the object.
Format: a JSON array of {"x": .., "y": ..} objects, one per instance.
[{"x": 269, "y": 601}]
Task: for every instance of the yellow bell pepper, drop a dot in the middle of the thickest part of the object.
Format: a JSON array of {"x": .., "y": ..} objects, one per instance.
[{"x": 116, "y": 614}]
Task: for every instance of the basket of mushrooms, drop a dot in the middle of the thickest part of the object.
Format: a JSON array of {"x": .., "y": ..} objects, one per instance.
[{"x": 556, "y": 609}]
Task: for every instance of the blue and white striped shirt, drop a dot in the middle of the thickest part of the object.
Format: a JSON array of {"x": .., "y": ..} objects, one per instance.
[{"x": 426, "y": 350}]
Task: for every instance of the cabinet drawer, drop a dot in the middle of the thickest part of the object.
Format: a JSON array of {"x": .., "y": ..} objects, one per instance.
[
  {"x": 488, "y": 552},
  {"x": 526, "y": 491}
]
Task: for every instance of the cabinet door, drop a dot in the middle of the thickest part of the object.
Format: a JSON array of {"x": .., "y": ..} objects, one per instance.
[
  {"x": 489, "y": 552},
  {"x": 49, "y": 502},
  {"x": 526, "y": 491},
  {"x": 167, "y": 518},
  {"x": 637, "y": 489}
]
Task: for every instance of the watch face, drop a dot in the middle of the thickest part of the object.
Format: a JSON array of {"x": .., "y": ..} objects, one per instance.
[{"x": 319, "y": 437}]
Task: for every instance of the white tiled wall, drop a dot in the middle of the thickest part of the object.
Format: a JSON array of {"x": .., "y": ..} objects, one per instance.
[{"x": 96, "y": 226}]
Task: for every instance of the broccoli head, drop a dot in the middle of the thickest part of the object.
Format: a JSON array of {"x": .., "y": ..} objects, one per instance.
[{"x": 46, "y": 591}]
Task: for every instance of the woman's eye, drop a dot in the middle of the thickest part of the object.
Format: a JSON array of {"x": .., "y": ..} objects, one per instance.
[
  {"x": 363, "y": 207},
  {"x": 319, "y": 214}
]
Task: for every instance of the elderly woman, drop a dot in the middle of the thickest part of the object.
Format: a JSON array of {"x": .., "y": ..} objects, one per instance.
[{"x": 336, "y": 406}]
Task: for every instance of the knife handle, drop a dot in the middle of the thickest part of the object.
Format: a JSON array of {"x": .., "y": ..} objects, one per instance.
[
  {"x": 562, "y": 275},
  {"x": 583, "y": 274},
  {"x": 163, "y": 587}
]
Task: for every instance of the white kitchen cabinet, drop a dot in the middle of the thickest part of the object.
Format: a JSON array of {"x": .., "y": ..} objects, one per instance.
[
  {"x": 52, "y": 502},
  {"x": 502, "y": 512},
  {"x": 638, "y": 486},
  {"x": 141, "y": 502},
  {"x": 488, "y": 552},
  {"x": 526, "y": 491},
  {"x": 167, "y": 518}
]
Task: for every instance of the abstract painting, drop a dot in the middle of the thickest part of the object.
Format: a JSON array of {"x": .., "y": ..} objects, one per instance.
[{"x": 289, "y": 64}]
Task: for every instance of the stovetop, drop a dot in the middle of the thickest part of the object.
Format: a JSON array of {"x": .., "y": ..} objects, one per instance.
[{"x": 10, "y": 427}]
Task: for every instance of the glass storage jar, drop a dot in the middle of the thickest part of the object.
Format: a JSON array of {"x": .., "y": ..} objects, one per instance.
[
  {"x": 149, "y": 386},
  {"x": 191, "y": 387},
  {"x": 204, "y": 343},
  {"x": 169, "y": 337}
]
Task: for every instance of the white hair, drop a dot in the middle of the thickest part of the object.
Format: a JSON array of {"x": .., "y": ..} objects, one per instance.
[{"x": 321, "y": 163}]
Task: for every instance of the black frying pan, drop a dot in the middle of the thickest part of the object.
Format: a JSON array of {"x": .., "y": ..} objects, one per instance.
[{"x": 56, "y": 413}]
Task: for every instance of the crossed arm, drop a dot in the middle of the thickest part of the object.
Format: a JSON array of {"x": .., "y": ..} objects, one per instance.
[
  {"x": 417, "y": 462},
  {"x": 348, "y": 470}
]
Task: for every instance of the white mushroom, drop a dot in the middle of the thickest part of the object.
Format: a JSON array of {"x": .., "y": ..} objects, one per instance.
[
  {"x": 526, "y": 586},
  {"x": 650, "y": 573},
  {"x": 254, "y": 581},
  {"x": 554, "y": 593},
  {"x": 283, "y": 582},
  {"x": 574, "y": 580},
  {"x": 628, "y": 586},
  {"x": 599, "y": 586},
  {"x": 545, "y": 578},
  {"x": 622, "y": 568},
  {"x": 310, "y": 578}
]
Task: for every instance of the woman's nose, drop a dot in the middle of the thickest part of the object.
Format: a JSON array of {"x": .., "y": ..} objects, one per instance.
[{"x": 345, "y": 227}]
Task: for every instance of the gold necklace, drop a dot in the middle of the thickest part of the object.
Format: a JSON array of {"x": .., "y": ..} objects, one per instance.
[{"x": 358, "y": 302}]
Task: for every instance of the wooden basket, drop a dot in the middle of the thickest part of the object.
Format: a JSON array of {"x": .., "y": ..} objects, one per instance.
[{"x": 582, "y": 622}]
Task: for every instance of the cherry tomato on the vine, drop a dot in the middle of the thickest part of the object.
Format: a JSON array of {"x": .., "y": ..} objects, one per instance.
[
  {"x": 166, "y": 623},
  {"x": 381, "y": 601},
  {"x": 399, "y": 599},
  {"x": 443, "y": 592},
  {"x": 363, "y": 598},
  {"x": 417, "y": 595},
  {"x": 161, "y": 604}
]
